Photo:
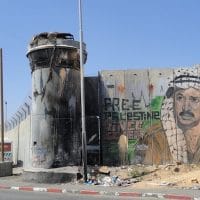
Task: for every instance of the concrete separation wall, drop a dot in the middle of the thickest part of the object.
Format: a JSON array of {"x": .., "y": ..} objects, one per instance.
[
  {"x": 20, "y": 138},
  {"x": 150, "y": 116},
  {"x": 146, "y": 116}
]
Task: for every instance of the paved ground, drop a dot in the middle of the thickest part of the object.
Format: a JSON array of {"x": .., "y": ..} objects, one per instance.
[{"x": 16, "y": 182}]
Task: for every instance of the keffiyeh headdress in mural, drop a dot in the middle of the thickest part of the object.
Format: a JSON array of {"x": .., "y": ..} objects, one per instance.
[{"x": 181, "y": 78}]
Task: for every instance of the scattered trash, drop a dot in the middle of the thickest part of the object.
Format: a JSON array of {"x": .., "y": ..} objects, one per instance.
[
  {"x": 102, "y": 177},
  {"x": 169, "y": 175},
  {"x": 106, "y": 181}
]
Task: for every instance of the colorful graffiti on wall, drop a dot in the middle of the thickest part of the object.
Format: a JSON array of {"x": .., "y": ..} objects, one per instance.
[
  {"x": 181, "y": 115},
  {"x": 155, "y": 118}
]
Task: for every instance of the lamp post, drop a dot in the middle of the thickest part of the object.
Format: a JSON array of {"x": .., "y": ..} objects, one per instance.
[
  {"x": 6, "y": 111},
  {"x": 99, "y": 132},
  {"x": 84, "y": 145},
  {"x": 1, "y": 106},
  {"x": 5, "y": 118}
]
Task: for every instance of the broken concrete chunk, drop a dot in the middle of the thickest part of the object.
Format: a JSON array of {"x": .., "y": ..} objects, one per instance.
[{"x": 104, "y": 170}]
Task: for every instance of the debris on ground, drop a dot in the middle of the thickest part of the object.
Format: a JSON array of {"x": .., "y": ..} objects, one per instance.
[
  {"x": 104, "y": 170},
  {"x": 141, "y": 176},
  {"x": 115, "y": 176}
]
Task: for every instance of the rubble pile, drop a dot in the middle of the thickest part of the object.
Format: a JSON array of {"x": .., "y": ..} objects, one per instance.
[
  {"x": 114, "y": 176},
  {"x": 141, "y": 176}
]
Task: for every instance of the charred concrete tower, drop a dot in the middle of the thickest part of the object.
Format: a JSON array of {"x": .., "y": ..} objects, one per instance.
[{"x": 56, "y": 118}]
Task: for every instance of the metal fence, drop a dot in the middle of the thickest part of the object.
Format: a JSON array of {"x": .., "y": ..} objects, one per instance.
[{"x": 21, "y": 114}]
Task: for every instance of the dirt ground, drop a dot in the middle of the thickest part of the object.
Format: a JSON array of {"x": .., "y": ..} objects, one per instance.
[{"x": 174, "y": 175}]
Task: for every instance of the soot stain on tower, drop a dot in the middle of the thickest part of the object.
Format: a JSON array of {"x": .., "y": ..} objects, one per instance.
[{"x": 56, "y": 112}]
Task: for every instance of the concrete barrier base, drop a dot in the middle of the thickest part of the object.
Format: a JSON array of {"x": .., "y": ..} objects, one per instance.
[
  {"x": 55, "y": 175},
  {"x": 6, "y": 169}
]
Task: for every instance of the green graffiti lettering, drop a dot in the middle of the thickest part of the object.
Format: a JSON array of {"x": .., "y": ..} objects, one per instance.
[
  {"x": 115, "y": 116},
  {"x": 124, "y": 104},
  {"x": 136, "y": 116},
  {"x": 129, "y": 115},
  {"x": 107, "y": 104},
  {"x": 136, "y": 104},
  {"x": 122, "y": 116},
  {"x": 156, "y": 115},
  {"x": 116, "y": 104}
]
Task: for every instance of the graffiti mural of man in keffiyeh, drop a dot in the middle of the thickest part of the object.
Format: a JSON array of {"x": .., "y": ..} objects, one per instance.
[{"x": 180, "y": 115}]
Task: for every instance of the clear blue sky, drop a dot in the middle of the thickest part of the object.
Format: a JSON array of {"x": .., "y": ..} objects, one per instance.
[{"x": 120, "y": 34}]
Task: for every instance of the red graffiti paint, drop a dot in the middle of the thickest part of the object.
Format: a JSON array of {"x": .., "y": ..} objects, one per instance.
[
  {"x": 151, "y": 87},
  {"x": 121, "y": 88}
]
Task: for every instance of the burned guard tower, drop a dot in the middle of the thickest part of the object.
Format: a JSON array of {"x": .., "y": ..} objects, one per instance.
[{"x": 56, "y": 138}]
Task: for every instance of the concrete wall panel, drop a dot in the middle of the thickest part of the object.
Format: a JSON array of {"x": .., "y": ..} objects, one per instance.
[
  {"x": 20, "y": 138},
  {"x": 150, "y": 116}
]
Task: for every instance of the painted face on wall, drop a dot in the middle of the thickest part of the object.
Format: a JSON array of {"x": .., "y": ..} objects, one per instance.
[{"x": 187, "y": 107}]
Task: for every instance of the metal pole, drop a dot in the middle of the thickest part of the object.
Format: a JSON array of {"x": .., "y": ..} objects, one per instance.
[
  {"x": 84, "y": 145},
  {"x": 6, "y": 110},
  {"x": 5, "y": 122},
  {"x": 99, "y": 132},
  {"x": 1, "y": 106}
]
